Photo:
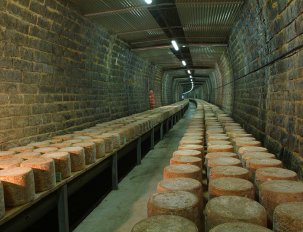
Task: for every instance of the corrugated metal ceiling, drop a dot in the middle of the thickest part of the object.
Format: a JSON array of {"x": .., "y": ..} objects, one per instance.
[{"x": 206, "y": 25}]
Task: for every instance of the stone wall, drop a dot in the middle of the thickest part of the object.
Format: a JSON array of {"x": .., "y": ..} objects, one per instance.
[
  {"x": 265, "y": 49},
  {"x": 60, "y": 72}
]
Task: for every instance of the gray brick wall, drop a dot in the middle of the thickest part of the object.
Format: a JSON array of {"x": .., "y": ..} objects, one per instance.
[
  {"x": 265, "y": 48},
  {"x": 60, "y": 72}
]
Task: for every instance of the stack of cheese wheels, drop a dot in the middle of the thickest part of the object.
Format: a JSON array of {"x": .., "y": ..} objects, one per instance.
[
  {"x": 28, "y": 155},
  {"x": 288, "y": 217},
  {"x": 183, "y": 170},
  {"x": 230, "y": 186},
  {"x": 180, "y": 203},
  {"x": 22, "y": 149},
  {"x": 220, "y": 148},
  {"x": 254, "y": 164},
  {"x": 225, "y": 209},
  {"x": 2, "y": 204},
  {"x": 77, "y": 157},
  {"x": 194, "y": 153},
  {"x": 272, "y": 193},
  {"x": 44, "y": 173},
  {"x": 89, "y": 150},
  {"x": 168, "y": 223},
  {"x": 19, "y": 186},
  {"x": 256, "y": 155},
  {"x": 222, "y": 161},
  {"x": 10, "y": 163},
  {"x": 182, "y": 184},
  {"x": 62, "y": 163},
  {"x": 186, "y": 160},
  {"x": 243, "y": 150},
  {"x": 239, "y": 227},
  {"x": 6, "y": 154},
  {"x": 228, "y": 171},
  {"x": 266, "y": 174}
]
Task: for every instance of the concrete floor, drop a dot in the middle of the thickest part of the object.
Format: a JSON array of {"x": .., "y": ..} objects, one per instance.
[{"x": 123, "y": 208}]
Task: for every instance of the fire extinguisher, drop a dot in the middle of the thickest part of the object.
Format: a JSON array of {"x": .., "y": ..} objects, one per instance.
[{"x": 152, "y": 101}]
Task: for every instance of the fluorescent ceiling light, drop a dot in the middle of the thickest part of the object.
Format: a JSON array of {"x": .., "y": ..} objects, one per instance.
[
  {"x": 184, "y": 62},
  {"x": 188, "y": 71},
  {"x": 175, "y": 45},
  {"x": 190, "y": 76},
  {"x": 149, "y": 1}
]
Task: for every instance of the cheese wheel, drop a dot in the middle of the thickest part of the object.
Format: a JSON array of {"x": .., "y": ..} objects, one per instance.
[
  {"x": 89, "y": 150},
  {"x": 186, "y": 160},
  {"x": 213, "y": 155},
  {"x": 239, "y": 227},
  {"x": 228, "y": 171},
  {"x": 190, "y": 141},
  {"x": 39, "y": 144},
  {"x": 22, "y": 149},
  {"x": 109, "y": 147},
  {"x": 288, "y": 217},
  {"x": 100, "y": 147},
  {"x": 62, "y": 163},
  {"x": 45, "y": 150},
  {"x": 217, "y": 137},
  {"x": 64, "y": 137},
  {"x": 72, "y": 141},
  {"x": 272, "y": 193},
  {"x": 19, "y": 186},
  {"x": 183, "y": 170},
  {"x": 265, "y": 174},
  {"x": 254, "y": 164},
  {"x": 256, "y": 155},
  {"x": 77, "y": 157},
  {"x": 60, "y": 145},
  {"x": 187, "y": 138},
  {"x": 192, "y": 147},
  {"x": 220, "y": 148},
  {"x": 230, "y": 186},
  {"x": 28, "y": 155},
  {"x": 225, "y": 209},
  {"x": 246, "y": 143},
  {"x": 2, "y": 204},
  {"x": 222, "y": 161},
  {"x": 44, "y": 173},
  {"x": 167, "y": 223},
  {"x": 115, "y": 138},
  {"x": 194, "y": 153},
  {"x": 243, "y": 150},
  {"x": 182, "y": 184},
  {"x": 198, "y": 134},
  {"x": 82, "y": 137},
  {"x": 10, "y": 163},
  {"x": 180, "y": 203},
  {"x": 218, "y": 142},
  {"x": 7, "y": 154}
]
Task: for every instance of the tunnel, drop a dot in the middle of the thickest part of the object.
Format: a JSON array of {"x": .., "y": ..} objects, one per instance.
[{"x": 98, "y": 96}]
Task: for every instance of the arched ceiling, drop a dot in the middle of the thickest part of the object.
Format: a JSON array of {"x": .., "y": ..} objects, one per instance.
[{"x": 201, "y": 28}]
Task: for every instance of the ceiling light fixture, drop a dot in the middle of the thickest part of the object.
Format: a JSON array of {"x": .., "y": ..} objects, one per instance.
[
  {"x": 184, "y": 62},
  {"x": 149, "y": 1},
  {"x": 175, "y": 45},
  {"x": 188, "y": 71},
  {"x": 190, "y": 76}
]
